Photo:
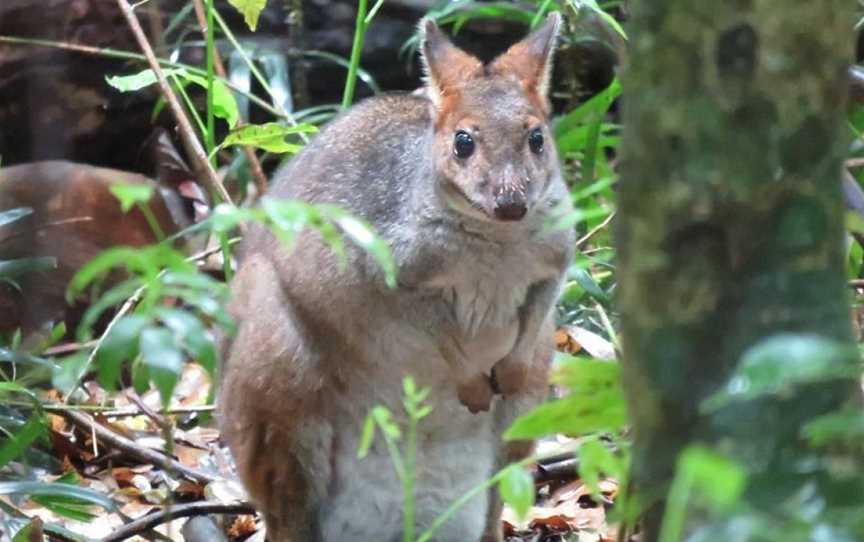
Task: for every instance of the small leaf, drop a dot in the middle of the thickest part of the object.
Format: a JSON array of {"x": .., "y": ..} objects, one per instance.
[
  {"x": 131, "y": 194},
  {"x": 21, "y": 441},
  {"x": 846, "y": 426},
  {"x": 363, "y": 235},
  {"x": 597, "y": 460},
  {"x": 57, "y": 490},
  {"x": 366, "y": 437},
  {"x": 250, "y": 9},
  {"x": 224, "y": 103},
  {"x": 384, "y": 419},
  {"x": 163, "y": 358},
  {"x": 269, "y": 137},
  {"x": 137, "y": 81},
  {"x": 717, "y": 478},
  {"x": 517, "y": 489},
  {"x": 26, "y": 266},
  {"x": 121, "y": 344}
]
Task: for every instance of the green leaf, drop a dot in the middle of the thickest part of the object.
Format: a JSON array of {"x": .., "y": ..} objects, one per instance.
[
  {"x": 69, "y": 373},
  {"x": 364, "y": 236},
  {"x": 597, "y": 460},
  {"x": 163, "y": 358},
  {"x": 224, "y": 104},
  {"x": 384, "y": 419},
  {"x": 191, "y": 333},
  {"x": 25, "y": 266},
  {"x": 57, "y": 490},
  {"x": 20, "y": 441},
  {"x": 250, "y": 9},
  {"x": 595, "y": 402},
  {"x": 517, "y": 489},
  {"x": 137, "y": 81},
  {"x": 131, "y": 194},
  {"x": 720, "y": 480},
  {"x": 777, "y": 365},
  {"x": 269, "y": 137},
  {"x": 367, "y": 436},
  {"x": 32, "y": 532},
  {"x": 120, "y": 345},
  {"x": 846, "y": 426}
]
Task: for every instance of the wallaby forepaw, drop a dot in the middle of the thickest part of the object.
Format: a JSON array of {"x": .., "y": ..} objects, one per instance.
[
  {"x": 476, "y": 394},
  {"x": 509, "y": 377}
]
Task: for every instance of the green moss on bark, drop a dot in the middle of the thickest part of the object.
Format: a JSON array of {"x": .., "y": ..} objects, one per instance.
[{"x": 731, "y": 221}]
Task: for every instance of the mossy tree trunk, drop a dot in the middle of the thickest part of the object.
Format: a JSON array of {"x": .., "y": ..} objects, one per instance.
[{"x": 731, "y": 223}]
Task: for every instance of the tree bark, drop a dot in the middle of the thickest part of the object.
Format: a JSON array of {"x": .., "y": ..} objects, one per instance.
[{"x": 731, "y": 224}]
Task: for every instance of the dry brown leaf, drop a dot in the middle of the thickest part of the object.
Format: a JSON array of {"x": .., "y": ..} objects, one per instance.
[{"x": 243, "y": 526}]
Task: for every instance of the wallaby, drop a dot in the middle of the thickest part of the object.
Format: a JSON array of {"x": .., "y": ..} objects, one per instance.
[
  {"x": 74, "y": 218},
  {"x": 462, "y": 182}
]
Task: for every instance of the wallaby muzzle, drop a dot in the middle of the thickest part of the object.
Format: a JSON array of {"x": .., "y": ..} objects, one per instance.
[{"x": 511, "y": 204}]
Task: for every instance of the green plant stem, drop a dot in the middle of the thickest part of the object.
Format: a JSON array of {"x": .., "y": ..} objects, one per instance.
[
  {"x": 191, "y": 107},
  {"x": 151, "y": 221},
  {"x": 225, "y": 247},
  {"x": 409, "y": 481},
  {"x": 210, "y": 138},
  {"x": 461, "y": 501},
  {"x": 356, "y": 49},
  {"x": 676, "y": 507}
]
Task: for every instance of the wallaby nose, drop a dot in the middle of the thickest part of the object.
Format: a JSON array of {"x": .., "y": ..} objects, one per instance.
[{"x": 510, "y": 210}]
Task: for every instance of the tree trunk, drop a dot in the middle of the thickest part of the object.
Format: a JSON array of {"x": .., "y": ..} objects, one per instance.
[{"x": 731, "y": 224}]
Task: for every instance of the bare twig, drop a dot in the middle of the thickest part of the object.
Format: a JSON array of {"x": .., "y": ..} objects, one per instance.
[
  {"x": 132, "y": 449},
  {"x": 593, "y": 232},
  {"x": 115, "y": 412},
  {"x": 251, "y": 157},
  {"x": 107, "y": 52},
  {"x": 187, "y": 132},
  {"x": 157, "y": 418},
  {"x": 150, "y": 521},
  {"x": 855, "y": 163}
]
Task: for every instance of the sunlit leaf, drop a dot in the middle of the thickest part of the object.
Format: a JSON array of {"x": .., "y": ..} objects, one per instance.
[
  {"x": 517, "y": 489},
  {"x": 269, "y": 137},
  {"x": 131, "y": 194},
  {"x": 251, "y": 10},
  {"x": 57, "y": 490}
]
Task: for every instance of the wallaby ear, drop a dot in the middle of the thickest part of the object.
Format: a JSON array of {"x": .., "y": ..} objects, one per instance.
[
  {"x": 531, "y": 59},
  {"x": 446, "y": 66}
]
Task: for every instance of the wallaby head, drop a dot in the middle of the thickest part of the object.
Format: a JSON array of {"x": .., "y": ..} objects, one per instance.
[{"x": 494, "y": 156}]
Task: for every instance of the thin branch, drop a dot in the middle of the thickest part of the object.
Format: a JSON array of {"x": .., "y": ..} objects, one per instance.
[
  {"x": 127, "y": 55},
  {"x": 593, "y": 232},
  {"x": 132, "y": 449},
  {"x": 187, "y": 133},
  {"x": 251, "y": 157},
  {"x": 148, "y": 522},
  {"x": 115, "y": 412}
]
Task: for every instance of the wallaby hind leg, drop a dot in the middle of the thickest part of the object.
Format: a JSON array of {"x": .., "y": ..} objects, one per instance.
[
  {"x": 506, "y": 410},
  {"x": 267, "y": 406},
  {"x": 278, "y": 486}
]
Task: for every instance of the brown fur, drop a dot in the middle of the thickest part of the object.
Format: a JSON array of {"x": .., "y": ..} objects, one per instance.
[{"x": 319, "y": 344}]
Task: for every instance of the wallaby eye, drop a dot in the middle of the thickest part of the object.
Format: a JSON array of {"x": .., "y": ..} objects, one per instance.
[
  {"x": 463, "y": 144},
  {"x": 535, "y": 140}
]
